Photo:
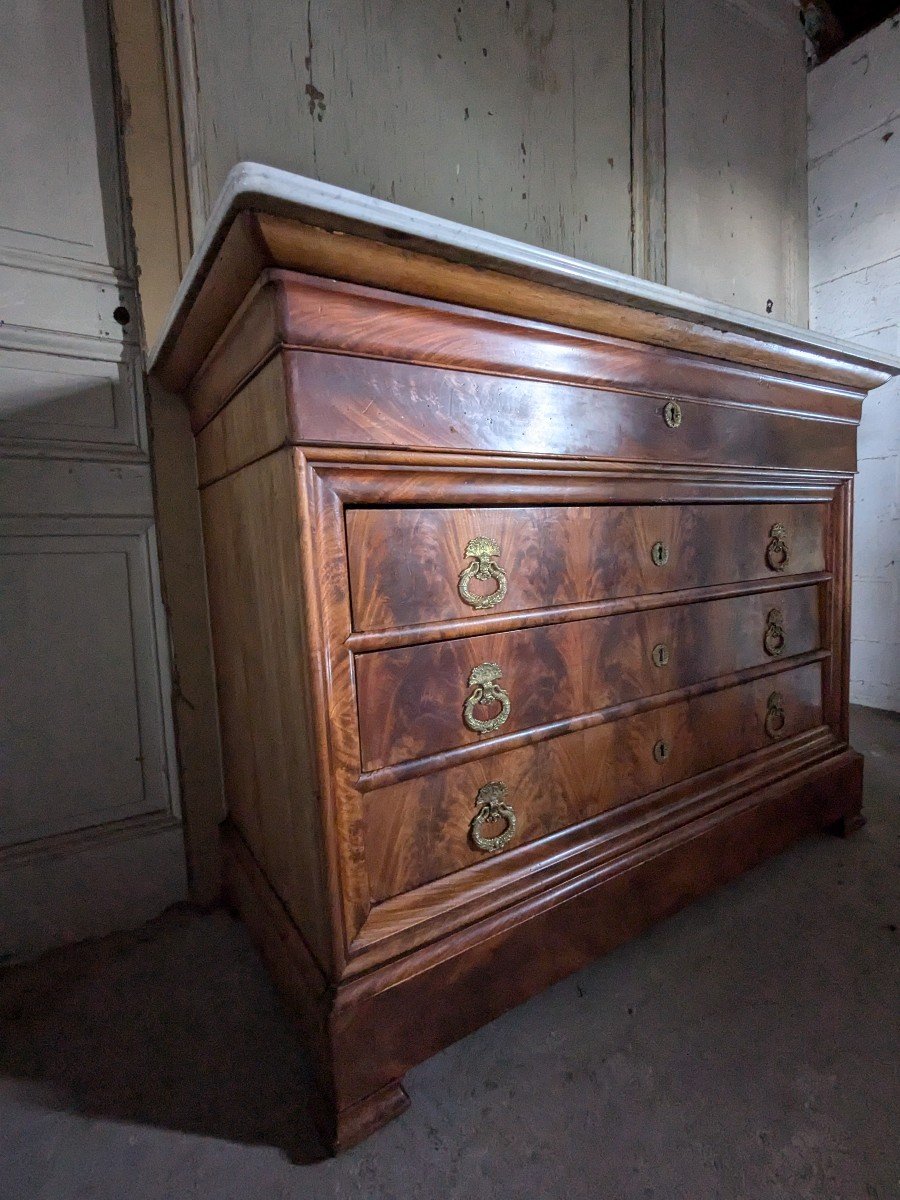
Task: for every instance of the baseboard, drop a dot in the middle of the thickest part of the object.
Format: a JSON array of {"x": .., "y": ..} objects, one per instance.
[{"x": 88, "y": 888}]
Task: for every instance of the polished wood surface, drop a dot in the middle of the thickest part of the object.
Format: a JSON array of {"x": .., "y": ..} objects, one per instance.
[
  {"x": 250, "y": 528},
  {"x": 258, "y": 240},
  {"x": 420, "y": 830},
  {"x": 672, "y": 634},
  {"x": 254, "y": 424},
  {"x": 504, "y": 960},
  {"x": 405, "y": 563},
  {"x": 308, "y": 313},
  {"x": 336, "y": 398},
  {"x": 411, "y": 699},
  {"x": 531, "y": 873}
]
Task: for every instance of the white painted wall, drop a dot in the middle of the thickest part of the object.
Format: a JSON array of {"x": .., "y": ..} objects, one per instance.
[{"x": 854, "y": 260}]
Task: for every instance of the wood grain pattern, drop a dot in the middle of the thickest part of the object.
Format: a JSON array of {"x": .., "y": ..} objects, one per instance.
[
  {"x": 296, "y": 246},
  {"x": 530, "y": 872},
  {"x": 376, "y": 1026},
  {"x": 251, "y": 426},
  {"x": 301, "y": 312},
  {"x": 322, "y": 314},
  {"x": 405, "y": 563},
  {"x": 304, "y": 312},
  {"x": 247, "y": 342},
  {"x": 254, "y": 570},
  {"x": 411, "y": 699},
  {"x": 334, "y": 398},
  {"x": 418, "y": 831}
]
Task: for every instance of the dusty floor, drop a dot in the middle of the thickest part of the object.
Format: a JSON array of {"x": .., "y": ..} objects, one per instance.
[{"x": 746, "y": 1049}]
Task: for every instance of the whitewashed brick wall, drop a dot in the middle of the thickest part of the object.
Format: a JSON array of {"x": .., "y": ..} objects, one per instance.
[{"x": 854, "y": 269}]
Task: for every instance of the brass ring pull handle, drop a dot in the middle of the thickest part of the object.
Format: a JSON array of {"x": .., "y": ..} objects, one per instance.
[
  {"x": 660, "y": 655},
  {"x": 661, "y": 751},
  {"x": 659, "y": 552},
  {"x": 492, "y": 806},
  {"x": 486, "y": 691},
  {"x": 672, "y": 414},
  {"x": 777, "y": 554},
  {"x": 482, "y": 550},
  {"x": 774, "y": 640},
  {"x": 775, "y": 718}
]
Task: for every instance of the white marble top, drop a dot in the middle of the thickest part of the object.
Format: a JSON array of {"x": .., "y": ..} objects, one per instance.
[{"x": 254, "y": 186}]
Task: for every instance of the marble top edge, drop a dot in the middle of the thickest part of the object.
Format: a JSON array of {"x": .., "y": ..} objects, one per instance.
[{"x": 254, "y": 185}]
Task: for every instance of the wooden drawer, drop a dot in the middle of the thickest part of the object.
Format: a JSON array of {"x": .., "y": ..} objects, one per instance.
[
  {"x": 412, "y": 700},
  {"x": 406, "y": 564},
  {"x": 355, "y": 400},
  {"x": 422, "y": 829}
]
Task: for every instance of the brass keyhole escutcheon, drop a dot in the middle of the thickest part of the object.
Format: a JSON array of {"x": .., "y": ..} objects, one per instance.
[
  {"x": 492, "y": 806},
  {"x": 777, "y": 553},
  {"x": 775, "y": 717},
  {"x": 486, "y": 690},
  {"x": 660, "y": 655},
  {"x": 774, "y": 639},
  {"x": 661, "y": 751},
  {"x": 659, "y": 552},
  {"x": 672, "y": 414},
  {"x": 483, "y": 551}
]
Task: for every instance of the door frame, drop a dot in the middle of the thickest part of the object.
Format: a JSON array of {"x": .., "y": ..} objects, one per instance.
[{"x": 165, "y": 221}]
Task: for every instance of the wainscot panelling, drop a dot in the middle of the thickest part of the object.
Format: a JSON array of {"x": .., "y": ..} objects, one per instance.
[
  {"x": 735, "y": 154},
  {"x": 656, "y": 136},
  {"x": 90, "y": 830},
  {"x": 511, "y": 117}
]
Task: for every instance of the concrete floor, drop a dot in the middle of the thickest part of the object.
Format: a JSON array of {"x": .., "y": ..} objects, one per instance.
[{"x": 746, "y": 1049}]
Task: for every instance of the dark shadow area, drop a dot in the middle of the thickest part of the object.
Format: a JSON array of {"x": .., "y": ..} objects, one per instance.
[{"x": 173, "y": 1025}]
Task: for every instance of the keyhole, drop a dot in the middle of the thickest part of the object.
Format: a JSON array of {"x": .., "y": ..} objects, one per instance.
[
  {"x": 660, "y": 655},
  {"x": 672, "y": 414},
  {"x": 661, "y": 751}
]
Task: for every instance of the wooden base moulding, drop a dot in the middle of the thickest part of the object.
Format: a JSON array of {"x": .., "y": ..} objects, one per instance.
[{"x": 365, "y": 1035}]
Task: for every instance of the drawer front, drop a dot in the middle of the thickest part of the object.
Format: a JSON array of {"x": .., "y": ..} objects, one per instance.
[
  {"x": 420, "y": 700},
  {"x": 423, "y": 829},
  {"x": 359, "y": 401},
  {"x": 412, "y": 566}
]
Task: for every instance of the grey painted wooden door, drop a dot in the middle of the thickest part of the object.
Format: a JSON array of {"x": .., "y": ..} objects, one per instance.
[{"x": 89, "y": 830}]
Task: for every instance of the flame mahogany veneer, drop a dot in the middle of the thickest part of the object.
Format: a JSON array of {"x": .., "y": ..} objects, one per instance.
[{"x": 669, "y": 508}]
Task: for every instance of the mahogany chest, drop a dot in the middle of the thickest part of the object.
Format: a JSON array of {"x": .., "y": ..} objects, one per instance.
[{"x": 529, "y": 592}]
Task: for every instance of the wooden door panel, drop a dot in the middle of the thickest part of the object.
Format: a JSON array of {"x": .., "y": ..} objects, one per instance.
[
  {"x": 72, "y": 401},
  {"x": 56, "y": 87},
  {"x": 90, "y": 783},
  {"x": 82, "y": 710}
]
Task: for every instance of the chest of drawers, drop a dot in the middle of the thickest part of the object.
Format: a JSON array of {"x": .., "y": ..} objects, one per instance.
[{"x": 529, "y": 592}]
